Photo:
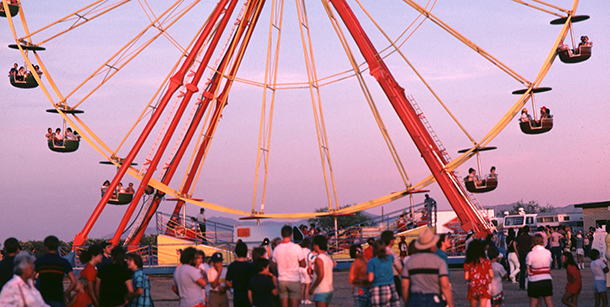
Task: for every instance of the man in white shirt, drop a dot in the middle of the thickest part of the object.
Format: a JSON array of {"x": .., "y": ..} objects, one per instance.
[
  {"x": 288, "y": 257},
  {"x": 202, "y": 220}
]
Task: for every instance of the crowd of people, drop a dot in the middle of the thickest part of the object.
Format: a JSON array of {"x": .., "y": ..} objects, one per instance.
[
  {"x": 20, "y": 73},
  {"x": 282, "y": 273},
  {"x": 110, "y": 278},
  {"x": 57, "y": 138}
]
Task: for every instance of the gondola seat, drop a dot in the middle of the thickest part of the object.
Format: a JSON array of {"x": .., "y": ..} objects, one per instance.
[
  {"x": 122, "y": 199},
  {"x": 13, "y": 10},
  {"x": 581, "y": 54},
  {"x": 489, "y": 184},
  {"x": 68, "y": 146},
  {"x": 546, "y": 124},
  {"x": 29, "y": 82}
]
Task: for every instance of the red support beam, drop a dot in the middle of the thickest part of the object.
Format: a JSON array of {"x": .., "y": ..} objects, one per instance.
[
  {"x": 191, "y": 88},
  {"x": 175, "y": 83},
  {"x": 465, "y": 210},
  {"x": 253, "y": 13},
  {"x": 253, "y": 10}
]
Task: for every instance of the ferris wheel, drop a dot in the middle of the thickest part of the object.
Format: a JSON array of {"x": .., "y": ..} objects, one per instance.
[{"x": 268, "y": 54}]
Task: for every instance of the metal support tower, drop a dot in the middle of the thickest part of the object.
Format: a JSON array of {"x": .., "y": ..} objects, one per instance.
[{"x": 470, "y": 217}]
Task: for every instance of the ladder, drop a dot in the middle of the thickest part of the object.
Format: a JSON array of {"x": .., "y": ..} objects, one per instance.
[{"x": 473, "y": 199}]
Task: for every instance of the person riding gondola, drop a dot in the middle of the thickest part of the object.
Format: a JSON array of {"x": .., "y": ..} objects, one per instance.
[
  {"x": 69, "y": 135},
  {"x": 50, "y": 135},
  {"x": 130, "y": 188},
  {"x": 525, "y": 117},
  {"x": 105, "y": 187},
  {"x": 472, "y": 176},
  {"x": 584, "y": 41},
  {"x": 492, "y": 172},
  {"x": 21, "y": 74},
  {"x": 14, "y": 70},
  {"x": 37, "y": 69},
  {"x": 58, "y": 139}
]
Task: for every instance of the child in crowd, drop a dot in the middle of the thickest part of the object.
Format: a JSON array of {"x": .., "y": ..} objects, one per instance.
[
  {"x": 261, "y": 287},
  {"x": 499, "y": 273},
  {"x": 478, "y": 273},
  {"x": 599, "y": 269},
  {"x": 305, "y": 277},
  {"x": 80, "y": 297},
  {"x": 574, "y": 285}
]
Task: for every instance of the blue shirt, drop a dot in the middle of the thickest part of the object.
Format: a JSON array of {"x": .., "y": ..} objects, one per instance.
[
  {"x": 140, "y": 280},
  {"x": 382, "y": 269},
  {"x": 439, "y": 252}
]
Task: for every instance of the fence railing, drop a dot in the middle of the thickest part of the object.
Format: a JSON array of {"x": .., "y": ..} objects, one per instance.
[
  {"x": 396, "y": 221},
  {"x": 188, "y": 228}
]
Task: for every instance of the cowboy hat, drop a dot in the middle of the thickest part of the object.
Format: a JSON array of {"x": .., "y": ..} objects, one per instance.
[{"x": 426, "y": 239}]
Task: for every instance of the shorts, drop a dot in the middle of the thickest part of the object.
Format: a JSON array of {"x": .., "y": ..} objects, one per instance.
[
  {"x": 542, "y": 288},
  {"x": 580, "y": 251},
  {"x": 385, "y": 295},
  {"x": 289, "y": 289},
  {"x": 325, "y": 297},
  {"x": 498, "y": 299},
  {"x": 599, "y": 286}
]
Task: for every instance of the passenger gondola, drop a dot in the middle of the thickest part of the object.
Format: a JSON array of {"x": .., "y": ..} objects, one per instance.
[
  {"x": 28, "y": 82},
  {"x": 576, "y": 54},
  {"x": 121, "y": 198},
  {"x": 536, "y": 125},
  {"x": 580, "y": 54},
  {"x": 13, "y": 9},
  {"x": 546, "y": 124},
  {"x": 66, "y": 144},
  {"x": 472, "y": 183}
]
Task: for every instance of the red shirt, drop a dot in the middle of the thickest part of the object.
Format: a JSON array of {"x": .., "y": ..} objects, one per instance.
[
  {"x": 82, "y": 299},
  {"x": 89, "y": 272},
  {"x": 574, "y": 280}
]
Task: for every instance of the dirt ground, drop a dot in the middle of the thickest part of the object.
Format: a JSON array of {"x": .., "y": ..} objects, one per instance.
[{"x": 163, "y": 296}]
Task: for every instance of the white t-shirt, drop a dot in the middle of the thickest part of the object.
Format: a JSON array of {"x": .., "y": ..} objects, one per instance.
[
  {"x": 287, "y": 257},
  {"x": 327, "y": 282},
  {"x": 597, "y": 267},
  {"x": 212, "y": 274},
  {"x": 539, "y": 262},
  {"x": 305, "y": 278},
  {"x": 496, "y": 282},
  {"x": 185, "y": 279},
  {"x": 204, "y": 268}
]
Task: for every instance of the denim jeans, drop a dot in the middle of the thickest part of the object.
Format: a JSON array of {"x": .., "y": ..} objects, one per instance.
[
  {"x": 421, "y": 299},
  {"x": 362, "y": 296}
]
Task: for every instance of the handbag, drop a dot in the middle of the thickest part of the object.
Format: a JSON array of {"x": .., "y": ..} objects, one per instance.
[{"x": 22, "y": 296}]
